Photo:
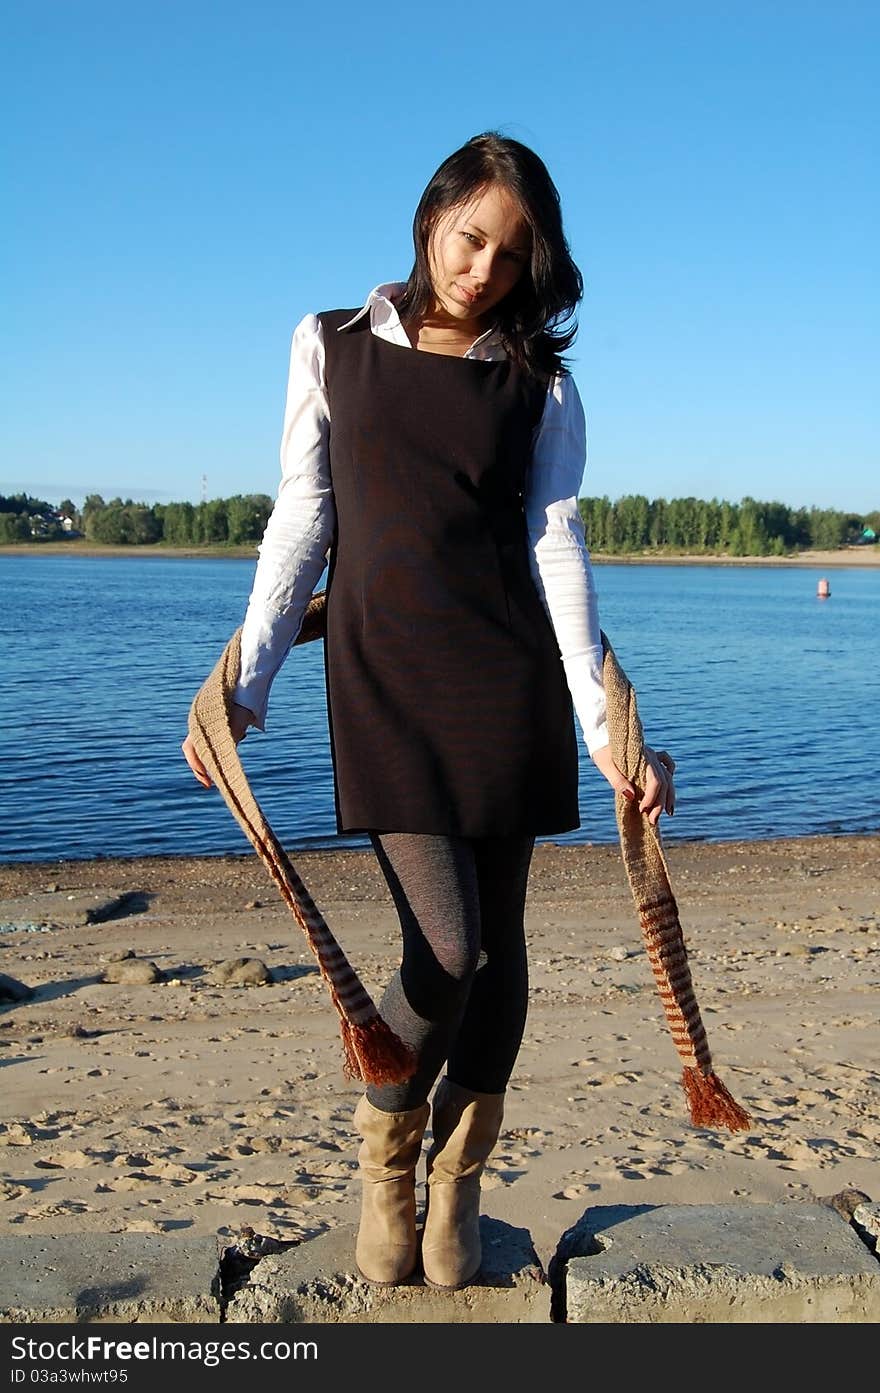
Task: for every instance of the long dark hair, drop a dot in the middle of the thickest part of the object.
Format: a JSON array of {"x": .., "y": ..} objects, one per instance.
[{"x": 537, "y": 318}]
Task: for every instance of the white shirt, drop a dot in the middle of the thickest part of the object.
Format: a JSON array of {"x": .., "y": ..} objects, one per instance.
[{"x": 293, "y": 552}]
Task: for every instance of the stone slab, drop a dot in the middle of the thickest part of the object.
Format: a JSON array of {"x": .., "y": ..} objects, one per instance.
[
  {"x": 866, "y": 1221},
  {"x": 762, "y": 1263},
  {"x": 318, "y": 1282},
  {"x": 62, "y": 908},
  {"x": 112, "y": 1277},
  {"x": 11, "y": 989}
]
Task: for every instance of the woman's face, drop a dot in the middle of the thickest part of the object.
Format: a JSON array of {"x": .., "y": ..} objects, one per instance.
[{"x": 477, "y": 253}]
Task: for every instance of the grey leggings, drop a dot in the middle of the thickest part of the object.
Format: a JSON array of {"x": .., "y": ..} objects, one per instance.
[{"x": 461, "y": 994}]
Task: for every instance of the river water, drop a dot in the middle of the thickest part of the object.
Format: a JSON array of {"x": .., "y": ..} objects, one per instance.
[{"x": 767, "y": 697}]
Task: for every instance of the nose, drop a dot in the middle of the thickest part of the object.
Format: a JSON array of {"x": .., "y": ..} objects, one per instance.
[{"x": 482, "y": 265}]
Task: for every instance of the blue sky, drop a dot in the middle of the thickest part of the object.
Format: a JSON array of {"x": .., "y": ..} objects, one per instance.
[{"x": 189, "y": 179}]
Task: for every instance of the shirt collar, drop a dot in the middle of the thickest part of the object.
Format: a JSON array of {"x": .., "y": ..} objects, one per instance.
[
  {"x": 382, "y": 297},
  {"x": 379, "y": 304}
]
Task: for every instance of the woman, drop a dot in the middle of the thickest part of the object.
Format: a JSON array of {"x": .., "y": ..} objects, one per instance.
[{"x": 434, "y": 446}]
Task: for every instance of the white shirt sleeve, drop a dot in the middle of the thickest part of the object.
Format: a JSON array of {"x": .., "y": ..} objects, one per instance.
[
  {"x": 558, "y": 555},
  {"x": 293, "y": 552}
]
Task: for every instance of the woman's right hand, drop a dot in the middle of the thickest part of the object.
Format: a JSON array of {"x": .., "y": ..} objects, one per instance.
[{"x": 238, "y": 723}]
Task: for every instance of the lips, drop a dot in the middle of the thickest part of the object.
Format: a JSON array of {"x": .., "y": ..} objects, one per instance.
[{"x": 469, "y": 296}]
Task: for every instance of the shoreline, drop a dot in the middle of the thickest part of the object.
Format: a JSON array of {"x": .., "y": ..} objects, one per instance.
[
  {"x": 866, "y": 557},
  {"x": 162, "y": 861}
]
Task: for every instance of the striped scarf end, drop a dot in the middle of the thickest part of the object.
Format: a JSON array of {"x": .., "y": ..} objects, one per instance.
[
  {"x": 374, "y": 1054},
  {"x": 710, "y": 1103}
]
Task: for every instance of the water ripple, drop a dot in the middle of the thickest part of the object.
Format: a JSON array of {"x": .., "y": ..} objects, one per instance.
[{"x": 767, "y": 698}]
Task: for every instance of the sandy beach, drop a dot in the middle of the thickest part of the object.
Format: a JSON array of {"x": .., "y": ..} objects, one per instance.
[
  {"x": 868, "y": 556},
  {"x": 192, "y": 1104}
]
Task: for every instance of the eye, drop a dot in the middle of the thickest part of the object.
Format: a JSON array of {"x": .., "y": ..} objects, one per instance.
[{"x": 469, "y": 236}]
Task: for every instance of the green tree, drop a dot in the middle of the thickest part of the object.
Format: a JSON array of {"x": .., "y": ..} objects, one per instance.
[
  {"x": 140, "y": 524},
  {"x": 596, "y": 515},
  {"x": 108, "y": 524},
  {"x": 728, "y": 525},
  {"x": 632, "y": 522},
  {"x": 14, "y": 526},
  {"x": 211, "y": 521},
  {"x": 827, "y": 528},
  {"x": 753, "y": 537},
  {"x": 657, "y": 525},
  {"x": 800, "y": 528},
  {"x": 178, "y": 524},
  {"x": 246, "y": 517},
  {"x": 91, "y": 510}
]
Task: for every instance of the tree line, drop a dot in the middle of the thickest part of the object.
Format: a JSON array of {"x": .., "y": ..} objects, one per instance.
[
  {"x": 236, "y": 521},
  {"x": 632, "y": 524},
  {"x": 748, "y": 528}
]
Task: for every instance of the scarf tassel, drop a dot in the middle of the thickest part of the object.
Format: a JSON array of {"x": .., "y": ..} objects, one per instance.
[
  {"x": 710, "y": 1103},
  {"x": 374, "y": 1054}
]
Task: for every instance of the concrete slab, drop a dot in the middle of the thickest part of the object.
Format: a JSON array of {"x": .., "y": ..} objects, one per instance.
[
  {"x": 13, "y": 990},
  {"x": 866, "y": 1220},
  {"x": 109, "y": 1278},
  {"x": 318, "y": 1282},
  {"x": 762, "y": 1263},
  {"x": 63, "y": 908}
]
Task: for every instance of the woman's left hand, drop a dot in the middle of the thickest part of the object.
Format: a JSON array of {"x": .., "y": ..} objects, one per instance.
[{"x": 658, "y": 795}]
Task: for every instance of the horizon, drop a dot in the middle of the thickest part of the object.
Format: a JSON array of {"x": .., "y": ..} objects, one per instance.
[
  {"x": 183, "y": 191},
  {"x": 78, "y": 499}
]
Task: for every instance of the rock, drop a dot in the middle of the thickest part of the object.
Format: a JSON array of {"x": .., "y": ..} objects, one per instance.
[
  {"x": 866, "y": 1222},
  {"x": 132, "y": 972},
  {"x": 789, "y": 1262},
  {"x": 13, "y": 990},
  {"x": 845, "y": 1202},
  {"x": 618, "y": 954},
  {"x": 316, "y": 1282},
  {"x": 242, "y": 972},
  {"x": 67, "y": 909},
  {"x": 121, "y": 1279}
]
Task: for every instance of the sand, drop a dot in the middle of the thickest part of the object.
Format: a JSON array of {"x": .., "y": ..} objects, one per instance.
[
  {"x": 862, "y": 556},
  {"x": 191, "y": 1105}
]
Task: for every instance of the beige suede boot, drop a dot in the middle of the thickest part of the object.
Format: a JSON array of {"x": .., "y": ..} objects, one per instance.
[
  {"x": 465, "y": 1127},
  {"x": 392, "y": 1141}
]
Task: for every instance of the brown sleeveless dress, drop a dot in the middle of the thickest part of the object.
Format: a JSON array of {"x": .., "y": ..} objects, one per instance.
[{"x": 448, "y": 705}]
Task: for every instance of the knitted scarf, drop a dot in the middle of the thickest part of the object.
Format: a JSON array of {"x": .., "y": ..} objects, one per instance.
[
  {"x": 709, "y": 1102},
  {"x": 372, "y": 1052}
]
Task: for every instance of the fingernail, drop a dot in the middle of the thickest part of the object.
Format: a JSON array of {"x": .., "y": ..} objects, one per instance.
[{"x": 628, "y": 794}]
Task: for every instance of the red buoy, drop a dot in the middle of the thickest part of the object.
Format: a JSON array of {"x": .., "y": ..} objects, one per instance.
[{"x": 823, "y": 589}]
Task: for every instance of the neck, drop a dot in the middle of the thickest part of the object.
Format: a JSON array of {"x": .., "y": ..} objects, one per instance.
[{"x": 437, "y": 328}]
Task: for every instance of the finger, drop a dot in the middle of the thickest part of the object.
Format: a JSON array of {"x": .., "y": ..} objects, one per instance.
[
  {"x": 201, "y": 774},
  {"x": 658, "y": 807},
  {"x": 195, "y": 764},
  {"x": 654, "y": 789}
]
